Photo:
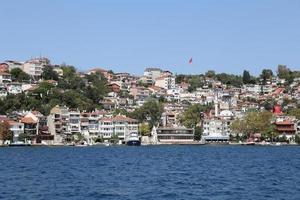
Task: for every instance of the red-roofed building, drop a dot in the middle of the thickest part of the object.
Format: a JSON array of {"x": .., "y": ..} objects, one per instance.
[
  {"x": 277, "y": 110},
  {"x": 278, "y": 91},
  {"x": 285, "y": 128},
  {"x": 105, "y": 73},
  {"x": 115, "y": 87},
  {"x": 4, "y": 68}
]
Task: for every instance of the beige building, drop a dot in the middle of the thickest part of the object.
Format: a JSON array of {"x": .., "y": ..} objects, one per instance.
[
  {"x": 34, "y": 67},
  {"x": 166, "y": 81},
  {"x": 57, "y": 122}
]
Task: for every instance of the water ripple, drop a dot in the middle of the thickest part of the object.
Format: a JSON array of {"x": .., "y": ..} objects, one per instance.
[{"x": 153, "y": 172}]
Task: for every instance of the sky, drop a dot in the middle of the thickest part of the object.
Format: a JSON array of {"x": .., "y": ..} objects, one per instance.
[{"x": 129, "y": 35}]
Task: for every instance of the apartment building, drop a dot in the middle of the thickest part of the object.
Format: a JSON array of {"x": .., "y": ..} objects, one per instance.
[
  {"x": 166, "y": 81},
  {"x": 119, "y": 125},
  {"x": 16, "y": 128},
  {"x": 34, "y": 67},
  {"x": 13, "y": 64},
  {"x": 5, "y": 77},
  {"x": 216, "y": 130},
  {"x": 58, "y": 123},
  {"x": 150, "y": 74}
]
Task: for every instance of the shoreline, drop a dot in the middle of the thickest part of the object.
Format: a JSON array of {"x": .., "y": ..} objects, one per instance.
[{"x": 161, "y": 144}]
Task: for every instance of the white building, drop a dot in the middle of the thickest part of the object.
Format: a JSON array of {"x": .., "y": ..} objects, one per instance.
[
  {"x": 151, "y": 73},
  {"x": 175, "y": 135},
  {"x": 120, "y": 125},
  {"x": 5, "y": 77},
  {"x": 166, "y": 81},
  {"x": 14, "y": 88},
  {"x": 215, "y": 130},
  {"x": 14, "y": 64},
  {"x": 74, "y": 121},
  {"x": 252, "y": 88},
  {"x": 16, "y": 128}
]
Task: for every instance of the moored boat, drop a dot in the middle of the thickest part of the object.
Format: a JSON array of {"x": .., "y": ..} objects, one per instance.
[
  {"x": 19, "y": 144},
  {"x": 133, "y": 140}
]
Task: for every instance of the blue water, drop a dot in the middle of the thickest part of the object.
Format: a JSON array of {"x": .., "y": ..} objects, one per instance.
[{"x": 155, "y": 172}]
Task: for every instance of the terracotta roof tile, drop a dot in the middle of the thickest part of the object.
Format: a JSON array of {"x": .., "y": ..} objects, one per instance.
[{"x": 28, "y": 120}]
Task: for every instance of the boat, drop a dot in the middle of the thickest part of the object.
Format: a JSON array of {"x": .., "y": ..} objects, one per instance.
[
  {"x": 133, "y": 140},
  {"x": 19, "y": 144},
  {"x": 250, "y": 143}
]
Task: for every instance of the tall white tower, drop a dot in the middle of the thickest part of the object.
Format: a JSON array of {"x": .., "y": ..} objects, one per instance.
[{"x": 216, "y": 102}]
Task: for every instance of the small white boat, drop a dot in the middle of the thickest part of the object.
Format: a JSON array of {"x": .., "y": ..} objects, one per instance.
[{"x": 19, "y": 144}]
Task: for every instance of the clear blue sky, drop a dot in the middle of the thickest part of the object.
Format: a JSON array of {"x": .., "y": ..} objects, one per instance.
[{"x": 129, "y": 35}]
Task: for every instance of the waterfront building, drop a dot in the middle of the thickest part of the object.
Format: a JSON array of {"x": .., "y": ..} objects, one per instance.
[
  {"x": 119, "y": 125},
  {"x": 175, "y": 135},
  {"x": 31, "y": 125},
  {"x": 16, "y": 128},
  {"x": 285, "y": 128},
  {"x": 216, "y": 130},
  {"x": 74, "y": 121},
  {"x": 58, "y": 123},
  {"x": 90, "y": 123}
]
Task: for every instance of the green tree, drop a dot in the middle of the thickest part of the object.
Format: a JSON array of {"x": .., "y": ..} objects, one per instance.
[
  {"x": 180, "y": 78},
  {"x": 120, "y": 111},
  {"x": 5, "y": 133},
  {"x": 99, "y": 139},
  {"x": 230, "y": 79},
  {"x": 144, "y": 129},
  {"x": 198, "y": 133},
  {"x": 193, "y": 115},
  {"x": 210, "y": 73},
  {"x": 297, "y": 139},
  {"x": 78, "y": 137},
  {"x": 195, "y": 81},
  {"x": 150, "y": 112},
  {"x": 255, "y": 122},
  {"x": 114, "y": 139},
  {"x": 283, "y": 72},
  {"x": 295, "y": 112},
  {"x": 97, "y": 87},
  {"x": 266, "y": 74},
  {"x": 49, "y": 73},
  {"x": 23, "y": 137},
  {"x": 246, "y": 77},
  {"x": 19, "y": 75}
]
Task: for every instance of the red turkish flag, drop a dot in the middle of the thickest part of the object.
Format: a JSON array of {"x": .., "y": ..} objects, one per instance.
[{"x": 191, "y": 60}]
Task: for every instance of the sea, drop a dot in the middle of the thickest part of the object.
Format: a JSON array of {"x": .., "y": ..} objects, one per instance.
[{"x": 150, "y": 172}]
